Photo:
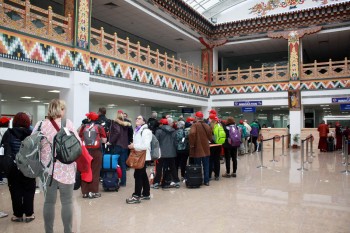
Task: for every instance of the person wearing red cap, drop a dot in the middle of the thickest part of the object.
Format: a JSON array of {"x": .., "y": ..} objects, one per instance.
[
  {"x": 219, "y": 137},
  {"x": 119, "y": 138},
  {"x": 166, "y": 137},
  {"x": 22, "y": 188},
  {"x": 212, "y": 111},
  {"x": 199, "y": 138},
  {"x": 94, "y": 145}
]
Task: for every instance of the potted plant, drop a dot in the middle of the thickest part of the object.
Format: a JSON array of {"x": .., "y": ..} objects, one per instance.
[{"x": 295, "y": 138}]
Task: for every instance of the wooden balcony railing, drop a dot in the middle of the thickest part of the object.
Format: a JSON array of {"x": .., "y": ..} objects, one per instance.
[
  {"x": 322, "y": 70},
  {"x": 250, "y": 76},
  {"x": 22, "y": 16},
  {"x": 111, "y": 45}
]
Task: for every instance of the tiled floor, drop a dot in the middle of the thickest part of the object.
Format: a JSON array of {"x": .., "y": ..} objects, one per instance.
[{"x": 278, "y": 198}]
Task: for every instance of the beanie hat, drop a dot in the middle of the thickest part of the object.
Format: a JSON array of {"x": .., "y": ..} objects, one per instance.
[
  {"x": 21, "y": 120},
  {"x": 241, "y": 122}
]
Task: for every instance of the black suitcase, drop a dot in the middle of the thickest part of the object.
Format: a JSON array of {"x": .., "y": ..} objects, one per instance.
[{"x": 194, "y": 177}]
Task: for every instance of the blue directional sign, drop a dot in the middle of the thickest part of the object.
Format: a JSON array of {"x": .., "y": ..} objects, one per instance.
[
  {"x": 247, "y": 103},
  {"x": 345, "y": 107},
  {"x": 248, "y": 109},
  {"x": 187, "y": 110},
  {"x": 341, "y": 100}
]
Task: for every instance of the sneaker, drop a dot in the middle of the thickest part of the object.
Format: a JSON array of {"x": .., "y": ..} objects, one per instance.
[
  {"x": 94, "y": 195},
  {"x": 85, "y": 195},
  {"x": 133, "y": 200},
  {"x": 217, "y": 178},
  {"x": 234, "y": 175},
  {"x": 227, "y": 175},
  {"x": 172, "y": 184},
  {"x": 206, "y": 184},
  {"x": 3, "y": 214},
  {"x": 145, "y": 197},
  {"x": 155, "y": 186}
]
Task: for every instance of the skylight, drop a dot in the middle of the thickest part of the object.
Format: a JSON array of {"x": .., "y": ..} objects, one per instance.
[{"x": 201, "y": 5}]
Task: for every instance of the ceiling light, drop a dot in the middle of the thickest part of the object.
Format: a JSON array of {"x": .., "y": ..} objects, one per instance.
[
  {"x": 142, "y": 104},
  {"x": 111, "y": 105},
  {"x": 324, "y": 105},
  {"x": 2, "y": 100},
  {"x": 136, "y": 100},
  {"x": 54, "y": 91},
  {"x": 27, "y": 97},
  {"x": 35, "y": 101},
  {"x": 326, "y": 108},
  {"x": 46, "y": 103},
  {"x": 276, "y": 109},
  {"x": 182, "y": 106}
]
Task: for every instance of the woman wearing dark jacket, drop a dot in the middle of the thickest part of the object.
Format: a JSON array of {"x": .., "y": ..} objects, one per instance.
[
  {"x": 230, "y": 151},
  {"x": 119, "y": 138},
  {"x": 22, "y": 189}
]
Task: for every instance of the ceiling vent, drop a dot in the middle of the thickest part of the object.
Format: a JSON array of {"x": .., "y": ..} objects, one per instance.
[{"x": 111, "y": 5}]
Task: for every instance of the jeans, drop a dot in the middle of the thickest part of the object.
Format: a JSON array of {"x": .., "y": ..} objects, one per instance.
[
  {"x": 204, "y": 161},
  {"x": 66, "y": 196},
  {"x": 122, "y": 161}
]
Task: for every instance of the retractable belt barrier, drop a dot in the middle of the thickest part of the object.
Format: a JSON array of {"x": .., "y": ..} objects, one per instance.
[
  {"x": 346, "y": 154},
  {"x": 302, "y": 162}
]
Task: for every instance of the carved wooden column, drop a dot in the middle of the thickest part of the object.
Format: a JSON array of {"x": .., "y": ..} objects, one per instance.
[
  {"x": 294, "y": 72},
  {"x": 207, "y": 56},
  {"x": 82, "y": 24}
]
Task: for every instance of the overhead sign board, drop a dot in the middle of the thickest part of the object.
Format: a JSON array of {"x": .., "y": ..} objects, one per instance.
[
  {"x": 248, "y": 109},
  {"x": 341, "y": 100},
  {"x": 247, "y": 103},
  {"x": 345, "y": 107},
  {"x": 187, "y": 110}
]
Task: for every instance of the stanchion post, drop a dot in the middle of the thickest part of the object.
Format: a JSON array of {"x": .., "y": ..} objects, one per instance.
[
  {"x": 343, "y": 146},
  {"x": 311, "y": 145},
  {"x": 273, "y": 151},
  {"x": 346, "y": 171},
  {"x": 302, "y": 158},
  {"x": 250, "y": 144},
  {"x": 261, "y": 155},
  {"x": 283, "y": 146},
  {"x": 307, "y": 150}
]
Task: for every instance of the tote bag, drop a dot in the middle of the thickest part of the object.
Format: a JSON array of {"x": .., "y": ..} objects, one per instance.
[{"x": 136, "y": 159}]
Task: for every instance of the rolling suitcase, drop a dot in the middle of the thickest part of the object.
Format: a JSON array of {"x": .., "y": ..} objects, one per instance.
[
  {"x": 330, "y": 144},
  {"x": 194, "y": 177},
  {"x": 110, "y": 181}
]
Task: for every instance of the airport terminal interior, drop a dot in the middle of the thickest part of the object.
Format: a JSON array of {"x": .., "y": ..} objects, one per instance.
[{"x": 284, "y": 64}]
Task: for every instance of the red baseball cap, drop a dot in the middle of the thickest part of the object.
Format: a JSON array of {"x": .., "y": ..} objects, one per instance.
[
  {"x": 163, "y": 121},
  {"x": 4, "y": 120},
  {"x": 199, "y": 114},
  {"x": 92, "y": 116},
  {"x": 212, "y": 116},
  {"x": 189, "y": 119},
  {"x": 241, "y": 122},
  {"x": 120, "y": 111},
  {"x": 212, "y": 112}
]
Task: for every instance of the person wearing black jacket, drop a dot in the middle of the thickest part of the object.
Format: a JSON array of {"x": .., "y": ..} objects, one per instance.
[
  {"x": 22, "y": 189},
  {"x": 230, "y": 151},
  {"x": 153, "y": 123}
]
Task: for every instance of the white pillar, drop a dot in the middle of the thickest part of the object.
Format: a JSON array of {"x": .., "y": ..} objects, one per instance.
[
  {"x": 295, "y": 124},
  {"x": 77, "y": 97},
  {"x": 40, "y": 113}
]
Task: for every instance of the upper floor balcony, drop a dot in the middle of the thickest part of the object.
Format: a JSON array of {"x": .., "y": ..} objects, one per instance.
[{"x": 21, "y": 16}]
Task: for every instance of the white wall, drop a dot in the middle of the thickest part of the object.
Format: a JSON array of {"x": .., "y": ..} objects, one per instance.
[{"x": 192, "y": 57}]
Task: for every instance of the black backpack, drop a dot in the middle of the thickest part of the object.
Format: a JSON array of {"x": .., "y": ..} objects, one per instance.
[{"x": 66, "y": 145}]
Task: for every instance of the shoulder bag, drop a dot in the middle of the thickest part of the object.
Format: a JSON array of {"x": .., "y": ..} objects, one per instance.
[{"x": 136, "y": 159}]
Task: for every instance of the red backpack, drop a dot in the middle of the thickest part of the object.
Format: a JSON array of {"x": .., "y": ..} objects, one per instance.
[{"x": 91, "y": 136}]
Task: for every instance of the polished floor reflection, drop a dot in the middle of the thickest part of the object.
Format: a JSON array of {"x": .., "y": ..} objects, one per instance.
[{"x": 278, "y": 198}]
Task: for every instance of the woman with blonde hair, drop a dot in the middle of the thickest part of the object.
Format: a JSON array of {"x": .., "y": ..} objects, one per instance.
[
  {"x": 63, "y": 178},
  {"x": 119, "y": 138}
]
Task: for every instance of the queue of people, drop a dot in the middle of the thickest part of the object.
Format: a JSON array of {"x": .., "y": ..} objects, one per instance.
[{"x": 194, "y": 140}]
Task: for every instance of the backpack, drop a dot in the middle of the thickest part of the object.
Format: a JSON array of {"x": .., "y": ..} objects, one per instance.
[
  {"x": 28, "y": 158},
  {"x": 183, "y": 141},
  {"x": 244, "y": 131},
  {"x": 219, "y": 134},
  {"x": 91, "y": 136},
  {"x": 235, "y": 134},
  {"x": 66, "y": 145},
  {"x": 255, "y": 131},
  {"x": 155, "y": 148}
]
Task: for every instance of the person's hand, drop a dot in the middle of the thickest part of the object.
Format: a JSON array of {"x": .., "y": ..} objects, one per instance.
[{"x": 131, "y": 146}]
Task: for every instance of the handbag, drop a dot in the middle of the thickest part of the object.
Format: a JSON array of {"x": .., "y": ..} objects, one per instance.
[{"x": 136, "y": 159}]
